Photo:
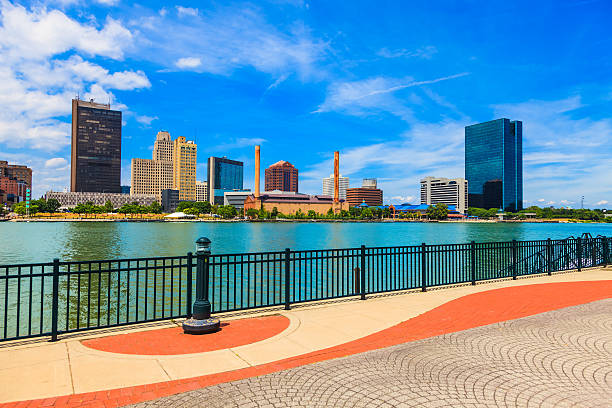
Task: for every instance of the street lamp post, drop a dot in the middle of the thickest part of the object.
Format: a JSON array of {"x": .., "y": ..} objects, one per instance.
[{"x": 200, "y": 321}]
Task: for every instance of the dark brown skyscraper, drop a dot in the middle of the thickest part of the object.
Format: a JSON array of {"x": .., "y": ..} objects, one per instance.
[
  {"x": 95, "y": 161},
  {"x": 282, "y": 176}
]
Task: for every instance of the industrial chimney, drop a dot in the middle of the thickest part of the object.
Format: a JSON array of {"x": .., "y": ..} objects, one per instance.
[
  {"x": 257, "y": 171},
  {"x": 336, "y": 176}
]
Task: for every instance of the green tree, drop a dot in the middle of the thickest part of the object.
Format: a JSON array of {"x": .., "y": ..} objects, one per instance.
[
  {"x": 367, "y": 213},
  {"x": 192, "y": 211},
  {"x": 227, "y": 211},
  {"x": 183, "y": 205},
  {"x": 154, "y": 208},
  {"x": 252, "y": 213},
  {"x": 262, "y": 214},
  {"x": 274, "y": 213},
  {"x": 108, "y": 207},
  {"x": 437, "y": 212},
  {"x": 312, "y": 214}
]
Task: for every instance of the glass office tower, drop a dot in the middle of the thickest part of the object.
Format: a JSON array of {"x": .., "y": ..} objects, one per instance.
[
  {"x": 223, "y": 175},
  {"x": 494, "y": 164}
]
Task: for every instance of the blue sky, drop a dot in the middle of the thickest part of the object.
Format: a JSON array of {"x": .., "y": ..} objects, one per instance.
[{"x": 389, "y": 84}]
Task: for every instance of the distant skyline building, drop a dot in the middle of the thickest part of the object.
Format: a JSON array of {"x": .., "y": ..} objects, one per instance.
[
  {"x": 368, "y": 193},
  {"x": 201, "y": 190},
  {"x": 169, "y": 200},
  {"x": 436, "y": 190},
  {"x": 14, "y": 180},
  {"x": 223, "y": 175},
  {"x": 72, "y": 199},
  {"x": 184, "y": 156},
  {"x": 328, "y": 186},
  {"x": 494, "y": 164},
  {"x": 95, "y": 160},
  {"x": 281, "y": 176},
  {"x": 151, "y": 176}
]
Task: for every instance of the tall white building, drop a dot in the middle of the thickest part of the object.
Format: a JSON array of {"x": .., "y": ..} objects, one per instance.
[
  {"x": 454, "y": 192},
  {"x": 328, "y": 186},
  {"x": 201, "y": 191}
]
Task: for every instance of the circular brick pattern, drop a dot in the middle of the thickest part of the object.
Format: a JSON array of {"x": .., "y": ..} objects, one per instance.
[{"x": 561, "y": 358}]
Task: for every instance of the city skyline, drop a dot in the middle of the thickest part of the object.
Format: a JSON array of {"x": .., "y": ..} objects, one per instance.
[{"x": 323, "y": 92}]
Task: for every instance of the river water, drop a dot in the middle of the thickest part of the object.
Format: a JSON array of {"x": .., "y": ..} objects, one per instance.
[{"x": 24, "y": 242}]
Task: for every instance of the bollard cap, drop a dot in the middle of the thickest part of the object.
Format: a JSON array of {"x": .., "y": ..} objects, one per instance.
[{"x": 203, "y": 245}]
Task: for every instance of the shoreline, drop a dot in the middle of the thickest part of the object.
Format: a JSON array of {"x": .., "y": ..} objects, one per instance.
[{"x": 534, "y": 221}]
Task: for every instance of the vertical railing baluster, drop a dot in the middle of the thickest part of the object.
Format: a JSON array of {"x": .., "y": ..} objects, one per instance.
[
  {"x": 473, "y": 262},
  {"x": 189, "y": 284},
  {"x": 549, "y": 256},
  {"x": 363, "y": 272},
  {"x": 287, "y": 279},
  {"x": 579, "y": 253},
  {"x": 423, "y": 267},
  {"x": 514, "y": 259}
]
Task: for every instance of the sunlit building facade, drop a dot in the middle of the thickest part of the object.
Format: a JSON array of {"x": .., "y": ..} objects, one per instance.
[
  {"x": 223, "y": 175},
  {"x": 184, "y": 159}
]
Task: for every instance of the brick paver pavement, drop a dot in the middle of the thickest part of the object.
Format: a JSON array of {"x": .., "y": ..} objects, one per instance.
[{"x": 561, "y": 358}]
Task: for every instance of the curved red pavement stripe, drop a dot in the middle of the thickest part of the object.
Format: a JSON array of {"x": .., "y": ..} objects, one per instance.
[
  {"x": 172, "y": 341},
  {"x": 470, "y": 311}
]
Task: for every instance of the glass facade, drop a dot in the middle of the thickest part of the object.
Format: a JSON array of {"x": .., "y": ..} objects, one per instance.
[
  {"x": 223, "y": 175},
  {"x": 494, "y": 164}
]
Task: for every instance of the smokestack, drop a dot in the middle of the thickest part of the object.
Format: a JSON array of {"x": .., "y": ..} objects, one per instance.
[
  {"x": 257, "y": 171},
  {"x": 336, "y": 176}
]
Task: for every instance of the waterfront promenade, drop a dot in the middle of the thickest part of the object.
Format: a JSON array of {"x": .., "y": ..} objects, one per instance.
[{"x": 270, "y": 354}]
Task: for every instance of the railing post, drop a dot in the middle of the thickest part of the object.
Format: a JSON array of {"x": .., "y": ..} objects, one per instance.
[
  {"x": 514, "y": 259},
  {"x": 549, "y": 256},
  {"x": 423, "y": 267},
  {"x": 55, "y": 299},
  {"x": 363, "y": 272},
  {"x": 287, "y": 279},
  {"x": 473, "y": 261},
  {"x": 189, "y": 299},
  {"x": 579, "y": 253}
]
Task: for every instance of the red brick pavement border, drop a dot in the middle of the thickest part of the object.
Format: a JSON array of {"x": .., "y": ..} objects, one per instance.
[
  {"x": 172, "y": 341},
  {"x": 470, "y": 311}
]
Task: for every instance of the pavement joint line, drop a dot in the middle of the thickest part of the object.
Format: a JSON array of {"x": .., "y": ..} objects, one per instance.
[
  {"x": 70, "y": 367},
  {"x": 163, "y": 369},
  {"x": 240, "y": 357}
]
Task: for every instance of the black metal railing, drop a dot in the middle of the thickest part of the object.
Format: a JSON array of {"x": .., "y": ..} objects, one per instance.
[{"x": 48, "y": 299}]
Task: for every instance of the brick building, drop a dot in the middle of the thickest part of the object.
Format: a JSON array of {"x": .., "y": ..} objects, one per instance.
[
  {"x": 282, "y": 176},
  {"x": 14, "y": 180},
  {"x": 368, "y": 193}
]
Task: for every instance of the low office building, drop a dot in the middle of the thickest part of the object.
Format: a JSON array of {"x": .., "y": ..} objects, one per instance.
[
  {"x": 235, "y": 198},
  {"x": 367, "y": 193},
  {"x": 290, "y": 203},
  {"x": 169, "y": 200},
  {"x": 452, "y": 192},
  {"x": 69, "y": 200},
  {"x": 201, "y": 190}
]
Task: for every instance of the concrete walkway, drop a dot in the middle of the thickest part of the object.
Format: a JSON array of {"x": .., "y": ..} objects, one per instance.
[
  {"x": 554, "y": 359},
  {"x": 44, "y": 370}
]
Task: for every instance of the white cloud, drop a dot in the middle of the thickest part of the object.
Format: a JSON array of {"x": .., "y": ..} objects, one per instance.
[
  {"x": 426, "y": 52},
  {"x": 541, "y": 200},
  {"x": 238, "y": 143},
  {"x": 602, "y": 202},
  {"x": 186, "y": 11},
  {"x": 227, "y": 39},
  {"x": 56, "y": 162},
  {"x": 188, "y": 62},
  {"x": 373, "y": 95},
  {"x": 41, "y": 33},
  {"x": 37, "y": 81},
  {"x": 146, "y": 120}
]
